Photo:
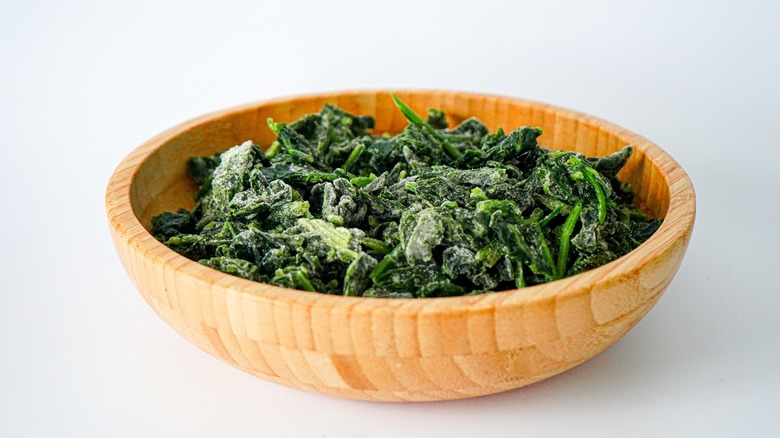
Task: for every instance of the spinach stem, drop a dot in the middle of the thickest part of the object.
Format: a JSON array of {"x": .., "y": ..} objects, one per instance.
[
  {"x": 362, "y": 181},
  {"x": 417, "y": 120},
  {"x": 568, "y": 228},
  {"x": 272, "y": 150},
  {"x": 551, "y": 216},
  {"x": 387, "y": 261},
  {"x": 602, "y": 198},
  {"x": 353, "y": 156},
  {"x": 303, "y": 280},
  {"x": 375, "y": 244},
  {"x": 520, "y": 278}
]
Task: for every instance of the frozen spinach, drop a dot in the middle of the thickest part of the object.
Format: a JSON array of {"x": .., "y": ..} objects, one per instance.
[{"x": 330, "y": 207}]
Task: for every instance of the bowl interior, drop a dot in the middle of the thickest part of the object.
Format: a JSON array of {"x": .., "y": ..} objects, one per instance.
[{"x": 162, "y": 182}]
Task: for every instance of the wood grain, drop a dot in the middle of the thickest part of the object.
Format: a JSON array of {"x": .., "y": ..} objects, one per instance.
[{"x": 399, "y": 349}]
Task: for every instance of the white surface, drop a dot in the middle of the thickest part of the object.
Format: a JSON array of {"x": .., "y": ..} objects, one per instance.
[{"x": 82, "y": 84}]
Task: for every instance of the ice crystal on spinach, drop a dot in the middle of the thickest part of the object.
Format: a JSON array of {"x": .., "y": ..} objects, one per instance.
[{"x": 330, "y": 207}]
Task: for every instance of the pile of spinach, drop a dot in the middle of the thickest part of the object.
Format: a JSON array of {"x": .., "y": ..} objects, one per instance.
[{"x": 430, "y": 212}]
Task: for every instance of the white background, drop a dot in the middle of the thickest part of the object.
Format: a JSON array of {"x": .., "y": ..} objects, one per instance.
[{"x": 83, "y": 83}]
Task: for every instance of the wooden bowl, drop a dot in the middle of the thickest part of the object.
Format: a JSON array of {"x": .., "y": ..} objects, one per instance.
[{"x": 396, "y": 349}]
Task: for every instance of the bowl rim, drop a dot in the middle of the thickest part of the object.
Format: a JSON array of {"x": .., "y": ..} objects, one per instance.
[{"x": 677, "y": 223}]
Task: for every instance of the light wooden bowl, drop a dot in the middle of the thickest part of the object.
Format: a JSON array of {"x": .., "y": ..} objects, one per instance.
[{"x": 396, "y": 349}]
